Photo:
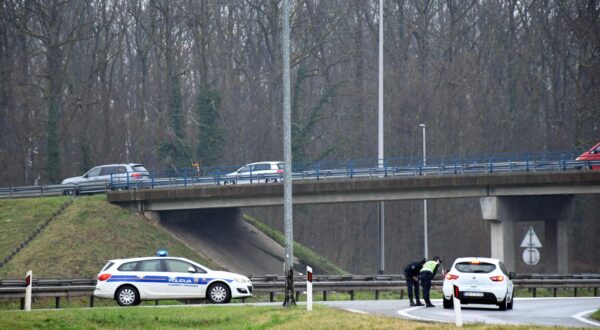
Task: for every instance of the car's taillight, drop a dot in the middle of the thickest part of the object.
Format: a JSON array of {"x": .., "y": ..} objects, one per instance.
[
  {"x": 498, "y": 278},
  {"x": 104, "y": 277},
  {"x": 451, "y": 277},
  {"x": 279, "y": 171},
  {"x": 136, "y": 175}
]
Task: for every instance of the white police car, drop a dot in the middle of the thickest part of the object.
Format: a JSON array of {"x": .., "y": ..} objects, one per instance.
[
  {"x": 129, "y": 281},
  {"x": 479, "y": 281}
]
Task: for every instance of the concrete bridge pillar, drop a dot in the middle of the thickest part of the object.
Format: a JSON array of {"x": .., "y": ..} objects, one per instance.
[{"x": 554, "y": 210}]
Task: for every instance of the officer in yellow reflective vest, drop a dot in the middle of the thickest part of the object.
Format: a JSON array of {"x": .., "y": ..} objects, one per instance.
[{"x": 426, "y": 275}]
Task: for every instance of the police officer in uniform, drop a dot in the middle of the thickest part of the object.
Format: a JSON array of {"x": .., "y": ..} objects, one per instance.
[
  {"x": 411, "y": 274},
  {"x": 426, "y": 274}
]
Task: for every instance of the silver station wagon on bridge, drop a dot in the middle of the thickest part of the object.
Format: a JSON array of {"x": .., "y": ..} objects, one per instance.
[{"x": 95, "y": 180}]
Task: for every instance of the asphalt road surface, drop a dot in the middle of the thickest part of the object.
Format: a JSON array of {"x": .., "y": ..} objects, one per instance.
[{"x": 568, "y": 312}]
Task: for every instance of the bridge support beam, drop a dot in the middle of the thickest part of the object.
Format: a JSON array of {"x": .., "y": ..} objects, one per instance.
[{"x": 503, "y": 212}]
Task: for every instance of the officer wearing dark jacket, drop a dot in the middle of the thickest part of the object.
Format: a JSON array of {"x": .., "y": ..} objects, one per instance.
[
  {"x": 411, "y": 274},
  {"x": 426, "y": 274}
]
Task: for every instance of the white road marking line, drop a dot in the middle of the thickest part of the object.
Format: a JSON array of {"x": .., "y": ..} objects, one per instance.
[
  {"x": 404, "y": 313},
  {"x": 580, "y": 317},
  {"x": 354, "y": 311}
]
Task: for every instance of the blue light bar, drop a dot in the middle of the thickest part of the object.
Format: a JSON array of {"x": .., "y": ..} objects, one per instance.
[{"x": 162, "y": 253}]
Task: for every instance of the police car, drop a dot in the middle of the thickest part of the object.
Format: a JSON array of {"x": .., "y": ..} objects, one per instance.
[{"x": 129, "y": 281}]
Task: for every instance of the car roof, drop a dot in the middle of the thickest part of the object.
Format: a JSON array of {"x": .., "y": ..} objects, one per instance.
[
  {"x": 130, "y": 164},
  {"x": 270, "y": 162},
  {"x": 145, "y": 258},
  {"x": 481, "y": 259}
]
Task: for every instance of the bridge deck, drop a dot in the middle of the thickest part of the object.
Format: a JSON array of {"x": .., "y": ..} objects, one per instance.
[{"x": 361, "y": 190}]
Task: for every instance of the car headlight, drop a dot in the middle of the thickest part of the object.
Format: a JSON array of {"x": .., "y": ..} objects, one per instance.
[{"x": 240, "y": 280}]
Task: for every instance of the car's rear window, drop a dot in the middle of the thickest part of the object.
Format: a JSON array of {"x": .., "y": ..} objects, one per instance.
[
  {"x": 107, "y": 266},
  {"x": 280, "y": 166},
  {"x": 128, "y": 267},
  {"x": 468, "y": 267},
  {"x": 139, "y": 168}
]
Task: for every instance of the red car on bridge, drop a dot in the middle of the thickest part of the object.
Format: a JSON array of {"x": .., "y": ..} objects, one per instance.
[{"x": 592, "y": 154}]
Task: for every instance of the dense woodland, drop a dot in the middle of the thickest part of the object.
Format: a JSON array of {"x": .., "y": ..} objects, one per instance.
[{"x": 170, "y": 83}]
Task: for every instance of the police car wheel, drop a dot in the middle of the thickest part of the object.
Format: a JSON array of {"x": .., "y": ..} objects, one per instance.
[
  {"x": 127, "y": 296},
  {"x": 218, "y": 293}
]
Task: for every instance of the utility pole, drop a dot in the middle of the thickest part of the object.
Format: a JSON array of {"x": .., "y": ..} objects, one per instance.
[
  {"x": 288, "y": 222},
  {"x": 425, "y": 244},
  {"x": 380, "y": 156}
]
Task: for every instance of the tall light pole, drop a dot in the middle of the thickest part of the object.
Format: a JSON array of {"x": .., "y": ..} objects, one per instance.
[
  {"x": 380, "y": 142},
  {"x": 425, "y": 248},
  {"x": 288, "y": 223}
]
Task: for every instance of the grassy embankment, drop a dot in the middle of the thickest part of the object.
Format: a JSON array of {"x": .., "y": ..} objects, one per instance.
[
  {"x": 218, "y": 317},
  {"x": 300, "y": 251},
  {"x": 19, "y": 218},
  {"x": 81, "y": 239}
]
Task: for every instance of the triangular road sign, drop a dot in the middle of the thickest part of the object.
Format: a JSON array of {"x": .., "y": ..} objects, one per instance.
[{"x": 531, "y": 240}]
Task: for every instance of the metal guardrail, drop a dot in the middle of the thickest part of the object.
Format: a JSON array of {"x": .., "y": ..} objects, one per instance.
[
  {"x": 273, "y": 285},
  {"x": 334, "y": 169}
]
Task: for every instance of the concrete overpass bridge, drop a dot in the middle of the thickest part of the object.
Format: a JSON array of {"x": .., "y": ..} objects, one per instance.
[{"x": 504, "y": 198}]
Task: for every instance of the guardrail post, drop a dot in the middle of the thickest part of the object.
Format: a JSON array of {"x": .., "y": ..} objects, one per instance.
[
  {"x": 318, "y": 165},
  {"x": 595, "y": 292},
  {"x": 22, "y": 304},
  {"x": 564, "y": 162},
  {"x": 376, "y": 294},
  {"x": 574, "y": 292},
  {"x": 185, "y": 175},
  {"x": 271, "y": 296},
  {"x": 324, "y": 295},
  {"x": 455, "y": 166},
  {"x": 527, "y": 162},
  {"x": 42, "y": 191},
  {"x": 534, "y": 290},
  {"x": 351, "y": 169},
  {"x": 297, "y": 295},
  {"x": 91, "y": 301},
  {"x": 152, "y": 178},
  {"x": 554, "y": 292},
  {"x": 385, "y": 167},
  {"x": 250, "y": 174},
  {"x": 127, "y": 177},
  {"x": 401, "y": 294},
  {"x": 351, "y": 294},
  {"x": 57, "y": 302},
  {"x": 156, "y": 303}
]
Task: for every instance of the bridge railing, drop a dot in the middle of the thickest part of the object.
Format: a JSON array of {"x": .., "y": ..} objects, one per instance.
[
  {"x": 329, "y": 169},
  {"x": 273, "y": 285}
]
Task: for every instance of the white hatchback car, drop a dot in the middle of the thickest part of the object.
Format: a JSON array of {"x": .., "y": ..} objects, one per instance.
[
  {"x": 479, "y": 281},
  {"x": 129, "y": 281},
  {"x": 261, "y": 171}
]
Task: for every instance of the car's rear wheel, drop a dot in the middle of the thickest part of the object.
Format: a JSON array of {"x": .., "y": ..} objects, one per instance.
[
  {"x": 448, "y": 303},
  {"x": 510, "y": 304},
  {"x": 127, "y": 296},
  {"x": 219, "y": 293},
  {"x": 504, "y": 304}
]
